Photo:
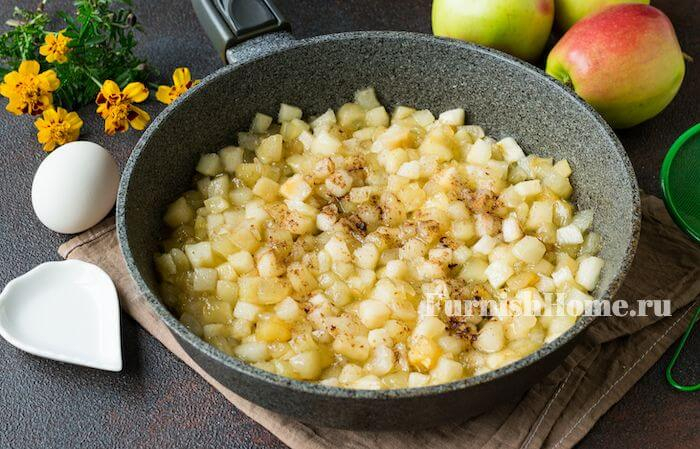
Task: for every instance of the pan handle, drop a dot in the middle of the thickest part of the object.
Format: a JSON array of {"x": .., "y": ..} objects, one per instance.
[{"x": 228, "y": 22}]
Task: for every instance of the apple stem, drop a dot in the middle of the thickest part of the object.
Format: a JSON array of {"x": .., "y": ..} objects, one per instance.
[{"x": 687, "y": 57}]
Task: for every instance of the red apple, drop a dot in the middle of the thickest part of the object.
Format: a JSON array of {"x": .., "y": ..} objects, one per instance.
[
  {"x": 568, "y": 12},
  {"x": 625, "y": 61}
]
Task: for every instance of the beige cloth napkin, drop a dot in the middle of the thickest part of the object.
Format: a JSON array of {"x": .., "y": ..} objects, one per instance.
[{"x": 555, "y": 413}]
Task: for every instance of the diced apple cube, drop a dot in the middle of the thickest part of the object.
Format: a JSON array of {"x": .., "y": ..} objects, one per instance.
[
  {"x": 485, "y": 245},
  {"x": 373, "y": 313},
  {"x": 242, "y": 262},
  {"x": 461, "y": 255},
  {"x": 491, "y": 337},
  {"x": 306, "y": 139},
  {"x": 430, "y": 327},
  {"x": 416, "y": 380},
  {"x": 529, "y": 249},
  {"x": 453, "y": 117},
  {"x": 577, "y": 302},
  {"x": 288, "y": 112},
  {"x": 288, "y": 309},
  {"x": 562, "y": 277},
  {"x": 269, "y": 266},
  {"x": 376, "y": 117},
  {"x": 252, "y": 352},
  {"x": 511, "y": 150},
  {"x": 301, "y": 278},
  {"x": 221, "y": 244},
  {"x": 511, "y": 229},
  {"x": 367, "y": 98},
  {"x": 307, "y": 365},
  {"x": 267, "y": 189},
  {"x": 480, "y": 152},
  {"x": 410, "y": 170},
  {"x": 529, "y": 188},
  {"x": 464, "y": 230},
  {"x": 569, "y": 235},
  {"x": 180, "y": 259},
  {"x": 354, "y": 348},
  {"x": 558, "y": 184},
  {"x": 179, "y": 213},
  {"x": 246, "y": 311},
  {"x": 498, "y": 273},
  {"x": 583, "y": 220},
  {"x": 474, "y": 270},
  {"x": 226, "y": 290},
  {"x": 240, "y": 196},
  {"x": 219, "y": 186},
  {"x": 591, "y": 244},
  {"x": 216, "y": 204},
  {"x": 210, "y": 164},
  {"x": 270, "y": 149},
  {"x": 446, "y": 370},
  {"x": 324, "y": 121},
  {"x": 339, "y": 183},
  {"x": 351, "y": 116},
  {"x": 165, "y": 265},
  {"x": 562, "y": 168},
  {"x": 396, "y": 136},
  {"x": 272, "y": 329},
  {"x": 366, "y": 256},
  {"x": 204, "y": 279},
  {"x": 248, "y": 173},
  {"x": 338, "y": 250},
  {"x": 325, "y": 144},
  {"x": 424, "y": 118},
  {"x": 292, "y": 130},
  {"x": 230, "y": 158},
  {"x": 200, "y": 254},
  {"x": 261, "y": 123},
  {"x": 588, "y": 273},
  {"x": 227, "y": 272},
  {"x": 391, "y": 160},
  {"x": 541, "y": 213},
  {"x": 295, "y": 188}
]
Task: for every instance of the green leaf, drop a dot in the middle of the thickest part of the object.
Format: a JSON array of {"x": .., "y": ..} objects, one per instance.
[{"x": 103, "y": 40}]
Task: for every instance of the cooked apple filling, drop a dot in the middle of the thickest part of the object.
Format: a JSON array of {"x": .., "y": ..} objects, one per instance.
[{"x": 327, "y": 250}]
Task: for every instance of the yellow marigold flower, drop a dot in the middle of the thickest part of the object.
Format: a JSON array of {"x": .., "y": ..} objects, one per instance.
[
  {"x": 182, "y": 80},
  {"x": 55, "y": 47},
  {"x": 117, "y": 108},
  {"x": 29, "y": 91},
  {"x": 58, "y": 127}
]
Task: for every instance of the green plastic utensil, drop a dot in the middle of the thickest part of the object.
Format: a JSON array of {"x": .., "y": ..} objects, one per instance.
[
  {"x": 680, "y": 182},
  {"x": 674, "y": 359}
]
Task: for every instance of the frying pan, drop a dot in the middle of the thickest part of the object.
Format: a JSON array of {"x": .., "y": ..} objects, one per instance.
[{"x": 267, "y": 67}]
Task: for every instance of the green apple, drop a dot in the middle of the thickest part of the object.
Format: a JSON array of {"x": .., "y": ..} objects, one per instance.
[
  {"x": 518, "y": 27},
  {"x": 625, "y": 61},
  {"x": 568, "y": 12}
]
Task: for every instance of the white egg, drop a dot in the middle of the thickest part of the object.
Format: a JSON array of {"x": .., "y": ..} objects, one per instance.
[{"x": 75, "y": 187}]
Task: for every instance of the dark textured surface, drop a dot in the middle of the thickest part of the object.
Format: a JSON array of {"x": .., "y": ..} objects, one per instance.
[
  {"x": 156, "y": 400},
  {"x": 509, "y": 97}
]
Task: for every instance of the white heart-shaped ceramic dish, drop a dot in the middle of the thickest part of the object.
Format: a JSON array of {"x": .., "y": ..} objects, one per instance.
[{"x": 66, "y": 311}]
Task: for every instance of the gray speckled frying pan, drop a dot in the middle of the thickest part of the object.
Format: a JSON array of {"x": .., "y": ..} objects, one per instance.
[{"x": 267, "y": 67}]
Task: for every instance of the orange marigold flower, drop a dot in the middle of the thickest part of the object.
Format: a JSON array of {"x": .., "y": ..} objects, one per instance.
[
  {"x": 55, "y": 47},
  {"x": 57, "y": 127},
  {"x": 182, "y": 80},
  {"x": 117, "y": 107},
  {"x": 29, "y": 91}
]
